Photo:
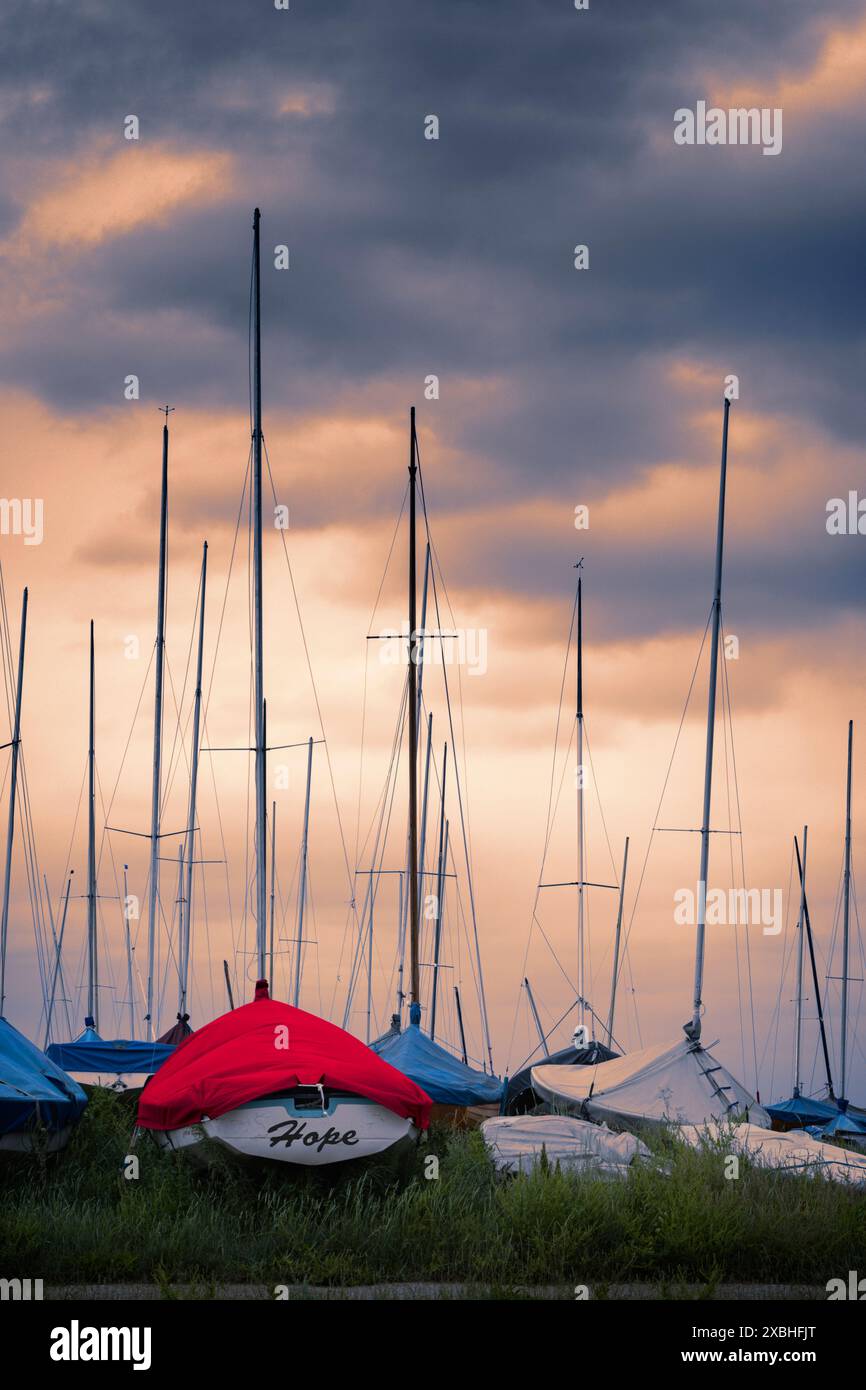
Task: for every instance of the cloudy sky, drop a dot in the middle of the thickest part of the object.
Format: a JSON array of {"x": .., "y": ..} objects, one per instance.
[{"x": 558, "y": 388}]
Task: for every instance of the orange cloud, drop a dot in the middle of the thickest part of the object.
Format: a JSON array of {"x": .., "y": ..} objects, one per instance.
[
  {"x": 836, "y": 78},
  {"x": 88, "y": 202}
]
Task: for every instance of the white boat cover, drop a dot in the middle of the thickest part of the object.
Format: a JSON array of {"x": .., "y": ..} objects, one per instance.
[
  {"x": 516, "y": 1142},
  {"x": 794, "y": 1151},
  {"x": 680, "y": 1082}
]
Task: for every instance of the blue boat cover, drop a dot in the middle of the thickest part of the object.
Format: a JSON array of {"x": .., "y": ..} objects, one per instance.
[
  {"x": 91, "y": 1053},
  {"x": 800, "y": 1111},
  {"x": 32, "y": 1087},
  {"x": 843, "y": 1124},
  {"x": 444, "y": 1077}
]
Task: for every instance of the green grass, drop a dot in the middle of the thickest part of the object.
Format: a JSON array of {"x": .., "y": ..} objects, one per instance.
[{"x": 76, "y": 1219}]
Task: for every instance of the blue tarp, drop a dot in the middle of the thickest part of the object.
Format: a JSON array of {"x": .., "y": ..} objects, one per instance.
[
  {"x": 91, "y": 1053},
  {"x": 446, "y": 1080},
  {"x": 843, "y": 1125},
  {"x": 800, "y": 1111},
  {"x": 32, "y": 1088}
]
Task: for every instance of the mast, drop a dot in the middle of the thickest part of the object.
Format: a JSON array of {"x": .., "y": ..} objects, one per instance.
[
  {"x": 613, "y": 981},
  {"x": 271, "y": 975},
  {"x": 92, "y": 944},
  {"x": 181, "y": 987},
  {"x": 129, "y": 990},
  {"x": 404, "y": 902},
  {"x": 846, "y": 923},
  {"x": 261, "y": 752},
  {"x": 442, "y": 860},
  {"x": 13, "y": 787},
  {"x": 156, "y": 789},
  {"x": 537, "y": 1021},
  {"x": 186, "y": 898},
  {"x": 693, "y": 1029},
  {"x": 413, "y": 730},
  {"x": 460, "y": 1024},
  {"x": 581, "y": 945},
  {"x": 815, "y": 982},
  {"x": 401, "y": 947},
  {"x": 370, "y": 962},
  {"x": 302, "y": 887},
  {"x": 801, "y": 930}
]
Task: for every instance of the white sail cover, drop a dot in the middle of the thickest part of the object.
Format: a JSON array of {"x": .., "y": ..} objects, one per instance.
[
  {"x": 795, "y": 1151},
  {"x": 516, "y": 1143},
  {"x": 680, "y": 1082}
]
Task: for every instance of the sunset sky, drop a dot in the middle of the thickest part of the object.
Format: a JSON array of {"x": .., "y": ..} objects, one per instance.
[{"x": 558, "y": 388}]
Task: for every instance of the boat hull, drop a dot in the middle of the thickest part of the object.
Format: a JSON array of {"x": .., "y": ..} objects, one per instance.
[
  {"x": 23, "y": 1142},
  {"x": 299, "y": 1130}
]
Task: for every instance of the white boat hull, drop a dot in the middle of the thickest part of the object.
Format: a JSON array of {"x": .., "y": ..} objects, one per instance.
[
  {"x": 296, "y": 1128},
  {"x": 23, "y": 1141}
]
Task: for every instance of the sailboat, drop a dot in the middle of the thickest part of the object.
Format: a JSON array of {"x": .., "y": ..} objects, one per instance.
[
  {"x": 846, "y": 1123},
  {"x": 585, "y": 1049},
  {"x": 454, "y": 1087},
  {"x": 39, "y": 1103},
  {"x": 267, "y": 1082},
  {"x": 119, "y": 1064},
  {"x": 798, "y": 1109},
  {"x": 678, "y": 1081}
]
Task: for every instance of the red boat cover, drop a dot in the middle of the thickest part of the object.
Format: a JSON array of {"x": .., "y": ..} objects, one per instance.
[{"x": 265, "y": 1047}]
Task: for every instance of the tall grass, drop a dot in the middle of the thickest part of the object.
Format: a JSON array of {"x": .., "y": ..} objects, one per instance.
[{"x": 76, "y": 1218}]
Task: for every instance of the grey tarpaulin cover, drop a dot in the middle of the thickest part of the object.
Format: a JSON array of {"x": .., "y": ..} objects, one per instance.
[
  {"x": 680, "y": 1082},
  {"x": 520, "y": 1096},
  {"x": 795, "y": 1151},
  {"x": 515, "y": 1143}
]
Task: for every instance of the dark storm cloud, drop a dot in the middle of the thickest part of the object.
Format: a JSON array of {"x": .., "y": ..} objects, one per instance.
[{"x": 412, "y": 256}]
